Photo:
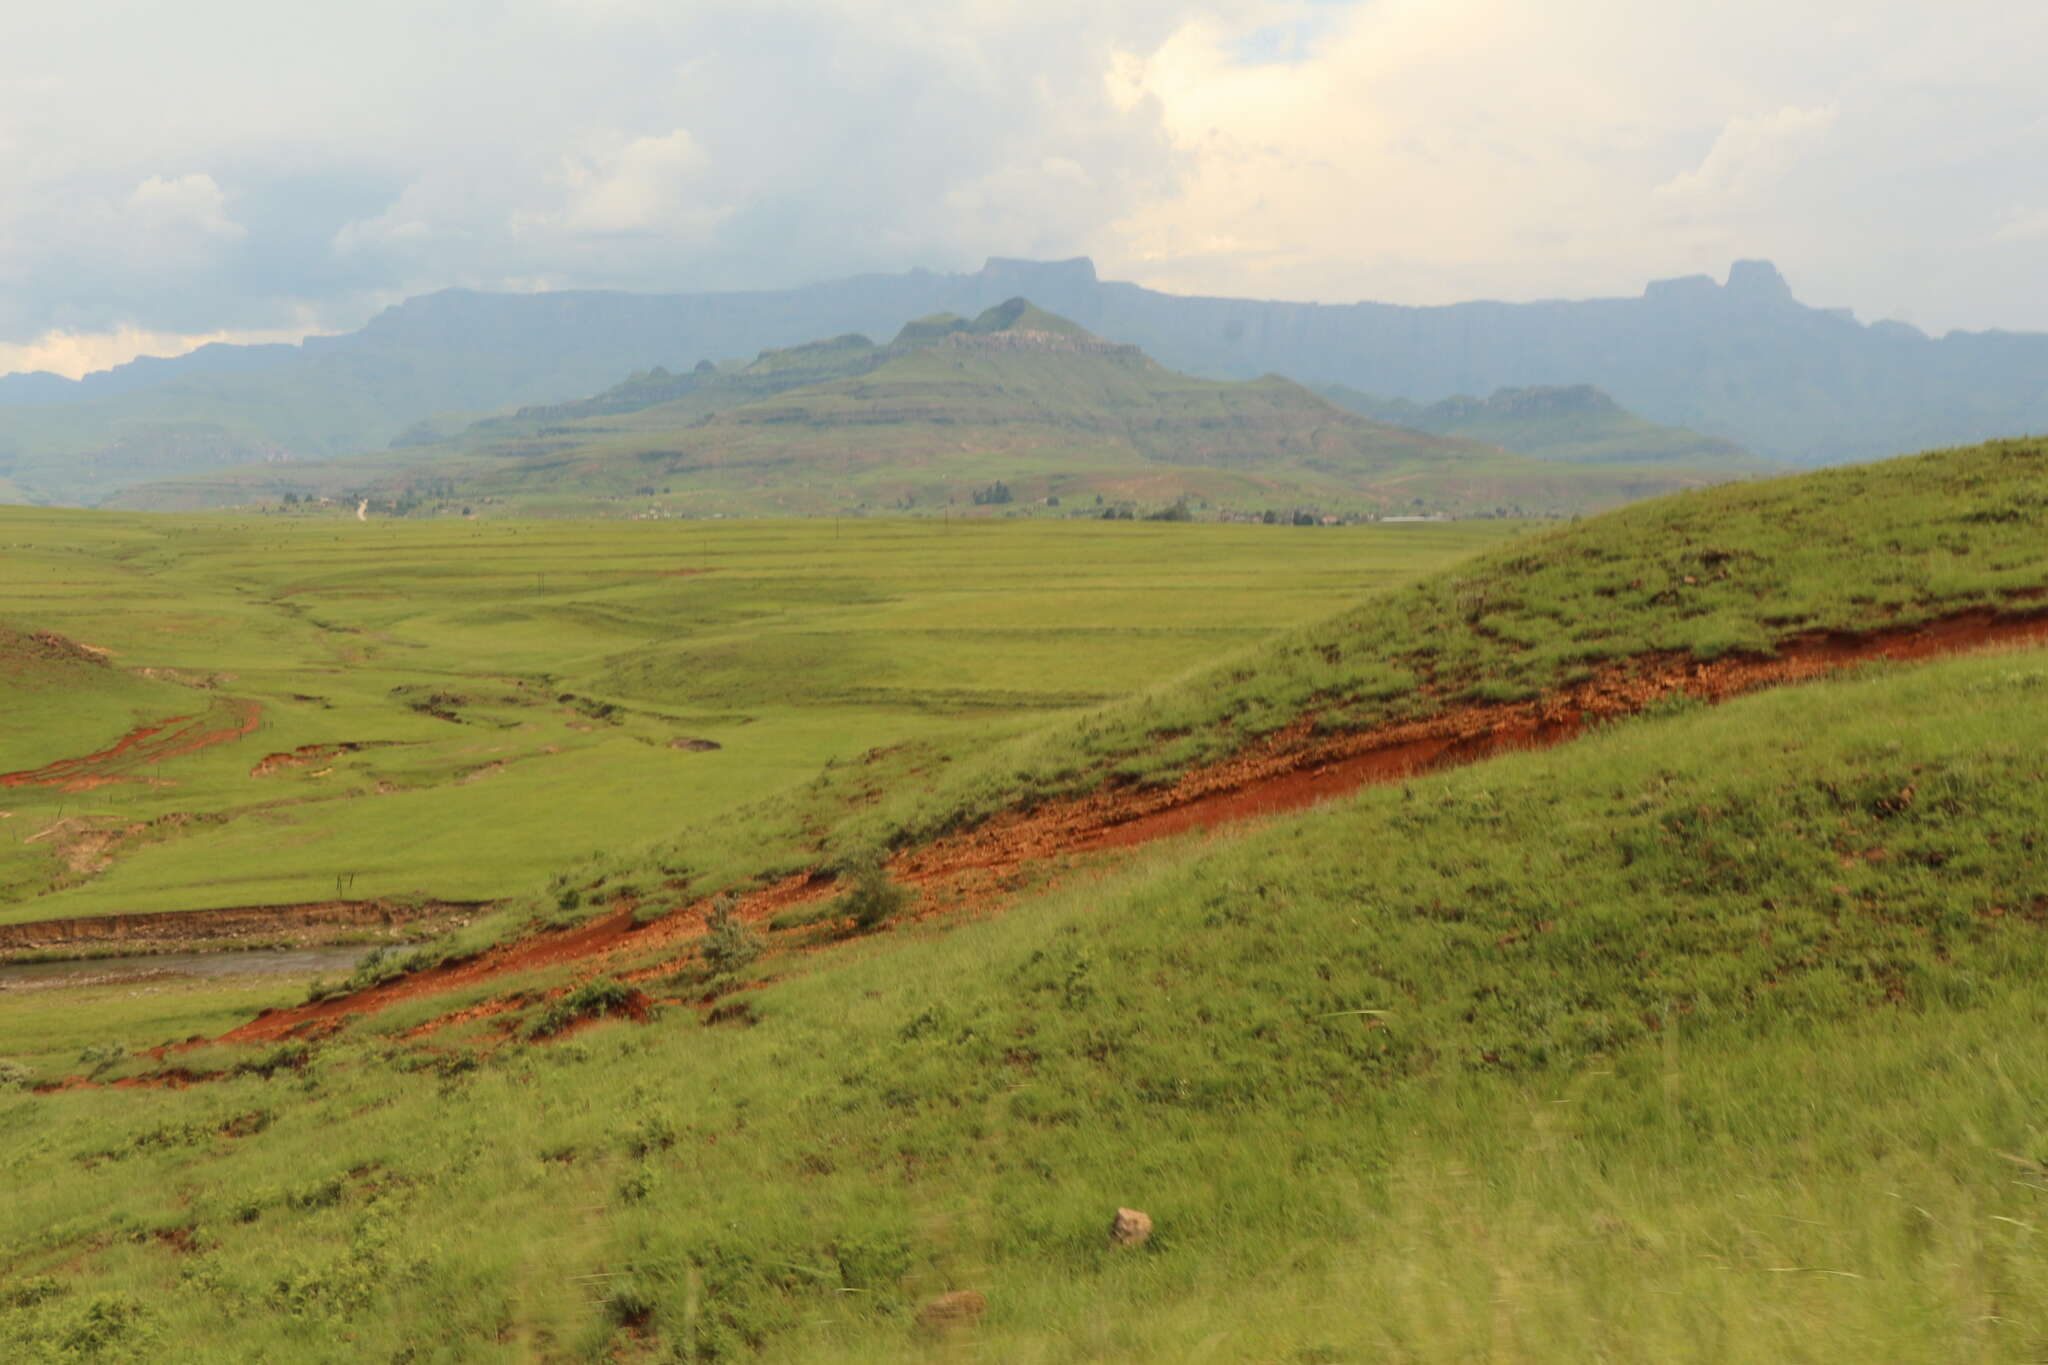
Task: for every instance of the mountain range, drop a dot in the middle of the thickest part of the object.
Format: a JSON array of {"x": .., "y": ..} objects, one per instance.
[
  {"x": 1015, "y": 406},
  {"x": 1741, "y": 361}
]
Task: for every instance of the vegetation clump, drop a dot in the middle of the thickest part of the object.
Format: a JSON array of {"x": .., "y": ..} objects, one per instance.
[
  {"x": 591, "y": 1000},
  {"x": 729, "y": 944},
  {"x": 874, "y": 898}
]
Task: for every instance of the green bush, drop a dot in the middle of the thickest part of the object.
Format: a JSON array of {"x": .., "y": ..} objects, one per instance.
[
  {"x": 587, "y": 1001},
  {"x": 729, "y": 945},
  {"x": 873, "y": 900}
]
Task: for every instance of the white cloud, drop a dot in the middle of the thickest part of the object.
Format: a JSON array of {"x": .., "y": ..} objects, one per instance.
[
  {"x": 1410, "y": 150},
  {"x": 645, "y": 186},
  {"x": 1752, "y": 154},
  {"x": 189, "y": 204},
  {"x": 73, "y": 354}
]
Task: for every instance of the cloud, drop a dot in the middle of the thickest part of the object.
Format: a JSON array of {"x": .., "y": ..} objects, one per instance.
[
  {"x": 644, "y": 186},
  {"x": 73, "y": 354},
  {"x": 1751, "y": 156},
  {"x": 1426, "y": 151},
  {"x": 154, "y": 178},
  {"x": 190, "y": 204}
]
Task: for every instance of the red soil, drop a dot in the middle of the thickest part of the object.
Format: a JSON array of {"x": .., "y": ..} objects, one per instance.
[
  {"x": 1288, "y": 770},
  {"x": 141, "y": 747}
]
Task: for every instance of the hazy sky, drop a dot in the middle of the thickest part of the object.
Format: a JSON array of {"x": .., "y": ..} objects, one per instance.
[{"x": 250, "y": 169}]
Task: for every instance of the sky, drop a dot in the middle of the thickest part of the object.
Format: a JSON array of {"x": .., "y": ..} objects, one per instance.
[{"x": 257, "y": 170}]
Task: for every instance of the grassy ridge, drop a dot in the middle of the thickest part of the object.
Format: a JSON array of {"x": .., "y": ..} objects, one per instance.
[
  {"x": 1709, "y": 572},
  {"x": 1691, "y": 1041},
  {"x": 1705, "y": 573}
]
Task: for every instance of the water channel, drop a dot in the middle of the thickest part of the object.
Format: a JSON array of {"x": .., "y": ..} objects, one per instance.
[{"x": 103, "y": 971}]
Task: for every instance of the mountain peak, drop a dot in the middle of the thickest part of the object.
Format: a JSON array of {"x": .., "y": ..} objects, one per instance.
[
  {"x": 1075, "y": 270},
  {"x": 1757, "y": 281}
]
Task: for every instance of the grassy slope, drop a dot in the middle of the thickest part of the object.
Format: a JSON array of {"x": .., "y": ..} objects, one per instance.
[
  {"x": 935, "y": 421},
  {"x": 1706, "y": 572},
  {"x": 1634, "y": 1050},
  {"x": 796, "y": 646}
]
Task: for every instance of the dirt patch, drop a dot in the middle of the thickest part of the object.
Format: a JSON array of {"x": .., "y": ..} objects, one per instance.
[
  {"x": 695, "y": 746},
  {"x": 1289, "y": 770},
  {"x": 143, "y": 746},
  {"x": 48, "y": 647},
  {"x": 178, "y": 930},
  {"x": 1297, "y": 767},
  {"x": 302, "y": 757}
]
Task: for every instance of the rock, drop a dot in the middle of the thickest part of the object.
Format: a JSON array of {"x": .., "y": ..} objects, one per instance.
[
  {"x": 947, "y": 1311},
  {"x": 695, "y": 746},
  {"x": 1130, "y": 1228}
]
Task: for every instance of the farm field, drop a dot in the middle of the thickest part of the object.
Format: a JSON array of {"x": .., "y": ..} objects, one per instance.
[{"x": 451, "y": 711}]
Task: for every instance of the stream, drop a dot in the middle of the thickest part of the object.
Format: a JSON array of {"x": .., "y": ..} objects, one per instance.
[{"x": 102, "y": 971}]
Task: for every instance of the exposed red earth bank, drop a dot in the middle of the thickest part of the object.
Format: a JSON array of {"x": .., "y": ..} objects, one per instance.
[
  {"x": 142, "y": 746},
  {"x": 1289, "y": 770}
]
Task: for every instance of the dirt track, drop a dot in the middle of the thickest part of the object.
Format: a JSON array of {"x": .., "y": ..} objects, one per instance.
[{"x": 1289, "y": 770}]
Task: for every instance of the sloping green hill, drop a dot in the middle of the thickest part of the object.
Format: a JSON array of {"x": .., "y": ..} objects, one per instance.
[
  {"x": 1704, "y": 1038},
  {"x": 945, "y": 413}
]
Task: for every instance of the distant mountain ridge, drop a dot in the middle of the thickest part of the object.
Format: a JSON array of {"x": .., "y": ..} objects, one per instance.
[
  {"x": 1016, "y": 405},
  {"x": 1577, "y": 423},
  {"x": 1741, "y": 360}
]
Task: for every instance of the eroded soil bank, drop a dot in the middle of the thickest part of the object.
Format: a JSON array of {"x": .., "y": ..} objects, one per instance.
[
  {"x": 1289, "y": 770},
  {"x": 143, "y": 746}
]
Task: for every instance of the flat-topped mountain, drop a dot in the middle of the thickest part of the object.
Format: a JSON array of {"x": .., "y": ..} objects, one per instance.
[{"x": 1013, "y": 406}]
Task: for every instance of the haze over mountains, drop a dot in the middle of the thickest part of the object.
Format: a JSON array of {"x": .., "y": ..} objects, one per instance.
[{"x": 1742, "y": 361}]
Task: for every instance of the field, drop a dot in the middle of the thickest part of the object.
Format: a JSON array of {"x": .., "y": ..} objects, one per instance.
[
  {"x": 1655, "y": 980},
  {"x": 463, "y": 707}
]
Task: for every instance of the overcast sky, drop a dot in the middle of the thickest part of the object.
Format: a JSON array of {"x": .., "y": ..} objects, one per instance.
[{"x": 256, "y": 169}]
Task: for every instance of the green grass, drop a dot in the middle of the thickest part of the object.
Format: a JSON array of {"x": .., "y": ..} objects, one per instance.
[
  {"x": 1705, "y": 573},
  {"x": 1628, "y": 1050},
  {"x": 791, "y": 645}
]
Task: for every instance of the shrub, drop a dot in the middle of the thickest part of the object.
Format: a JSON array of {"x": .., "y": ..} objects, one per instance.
[
  {"x": 874, "y": 900},
  {"x": 729, "y": 944},
  {"x": 587, "y": 1001}
]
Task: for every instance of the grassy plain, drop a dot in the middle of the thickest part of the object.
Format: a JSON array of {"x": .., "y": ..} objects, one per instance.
[
  {"x": 1702, "y": 1039},
  {"x": 514, "y": 690}
]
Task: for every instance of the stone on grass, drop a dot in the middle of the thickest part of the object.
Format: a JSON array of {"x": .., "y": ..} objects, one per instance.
[{"x": 1130, "y": 1228}]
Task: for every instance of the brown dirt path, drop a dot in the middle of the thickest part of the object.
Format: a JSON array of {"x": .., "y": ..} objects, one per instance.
[
  {"x": 1289, "y": 770},
  {"x": 142, "y": 746}
]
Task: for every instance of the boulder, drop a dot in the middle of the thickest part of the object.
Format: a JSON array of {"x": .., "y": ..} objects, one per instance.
[{"x": 1130, "y": 1227}]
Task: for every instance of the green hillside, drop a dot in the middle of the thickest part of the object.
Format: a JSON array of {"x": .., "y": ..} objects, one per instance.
[
  {"x": 1064, "y": 422},
  {"x": 1548, "y": 627},
  {"x": 1703, "y": 1037},
  {"x": 1578, "y": 424}
]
